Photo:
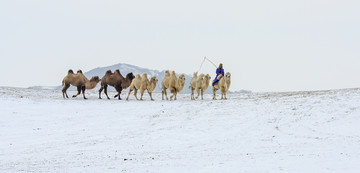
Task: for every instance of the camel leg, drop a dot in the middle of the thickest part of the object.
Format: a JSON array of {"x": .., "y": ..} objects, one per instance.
[
  {"x": 165, "y": 94},
  {"x": 141, "y": 94},
  {"x": 79, "y": 91},
  {"x": 118, "y": 89},
  {"x": 173, "y": 96},
  {"x": 100, "y": 90},
  {"x": 150, "y": 94},
  {"x": 119, "y": 95},
  {"x": 214, "y": 91},
  {"x": 105, "y": 91},
  {"x": 83, "y": 92},
  {"x": 66, "y": 86},
  {"x": 202, "y": 94},
  {"x": 162, "y": 94},
  {"x": 223, "y": 93},
  {"x": 167, "y": 98},
  {"x": 135, "y": 93},
  {"x": 192, "y": 94},
  {"x": 129, "y": 92},
  {"x": 198, "y": 92}
]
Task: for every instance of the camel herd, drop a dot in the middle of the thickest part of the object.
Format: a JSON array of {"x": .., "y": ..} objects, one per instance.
[{"x": 199, "y": 83}]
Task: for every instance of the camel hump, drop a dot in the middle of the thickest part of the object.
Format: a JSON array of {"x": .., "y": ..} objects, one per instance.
[
  {"x": 70, "y": 72},
  {"x": 108, "y": 72},
  {"x": 137, "y": 76},
  {"x": 201, "y": 76},
  {"x": 167, "y": 73},
  {"x": 195, "y": 74},
  {"x": 173, "y": 72},
  {"x": 117, "y": 71},
  {"x": 144, "y": 75},
  {"x": 79, "y": 71}
]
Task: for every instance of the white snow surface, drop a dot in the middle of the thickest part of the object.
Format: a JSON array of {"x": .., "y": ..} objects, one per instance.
[{"x": 255, "y": 132}]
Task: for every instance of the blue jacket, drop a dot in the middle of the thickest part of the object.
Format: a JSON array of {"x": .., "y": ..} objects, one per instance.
[{"x": 219, "y": 71}]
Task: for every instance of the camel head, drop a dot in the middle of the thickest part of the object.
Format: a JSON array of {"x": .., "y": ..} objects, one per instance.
[
  {"x": 208, "y": 76},
  {"x": 70, "y": 72},
  {"x": 167, "y": 73},
  {"x": 130, "y": 76},
  {"x": 228, "y": 75},
  {"x": 79, "y": 71},
  {"x": 154, "y": 79},
  {"x": 182, "y": 76},
  {"x": 96, "y": 79}
]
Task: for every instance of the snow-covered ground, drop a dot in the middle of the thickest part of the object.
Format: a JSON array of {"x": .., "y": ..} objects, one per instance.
[{"x": 255, "y": 132}]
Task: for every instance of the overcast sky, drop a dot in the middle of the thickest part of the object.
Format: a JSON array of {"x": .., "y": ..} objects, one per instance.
[{"x": 278, "y": 45}]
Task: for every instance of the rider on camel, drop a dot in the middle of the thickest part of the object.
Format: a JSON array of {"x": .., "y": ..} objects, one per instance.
[{"x": 219, "y": 74}]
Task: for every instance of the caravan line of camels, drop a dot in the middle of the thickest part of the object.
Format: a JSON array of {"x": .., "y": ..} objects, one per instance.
[{"x": 174, "y": 84}]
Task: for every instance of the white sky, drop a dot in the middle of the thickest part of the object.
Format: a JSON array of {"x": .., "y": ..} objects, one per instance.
[{"x": 277, "y": 45}]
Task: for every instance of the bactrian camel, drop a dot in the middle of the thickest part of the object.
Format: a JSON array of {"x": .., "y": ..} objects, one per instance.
[
  {"x": 79, "y": 81},
  {"x": 142, "y": 83},
  {"x": 223, "y": 85},
  {"x": 115, "y": 80},
  {"x": 165, "y": 84},
  {"x": 176, "y": 84},
  {"x": 200, "y": 84}
]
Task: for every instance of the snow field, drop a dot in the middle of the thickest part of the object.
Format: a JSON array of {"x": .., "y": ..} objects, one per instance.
[{"x": 259, "y": 132}]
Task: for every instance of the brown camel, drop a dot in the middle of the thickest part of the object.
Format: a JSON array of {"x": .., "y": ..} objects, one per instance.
[
  {"x": 115, "y": 80},
  {"x": 80, "y": 81},
  {"x": 90, "y": 84}
]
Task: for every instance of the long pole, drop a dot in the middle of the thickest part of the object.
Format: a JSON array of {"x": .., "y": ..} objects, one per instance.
[
  {"x": 211, "y": 62},
  {"x": 204, "y": 61}
]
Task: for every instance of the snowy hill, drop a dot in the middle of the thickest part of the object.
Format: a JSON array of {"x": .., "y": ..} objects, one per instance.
[{"x": 253, "y": 132}]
